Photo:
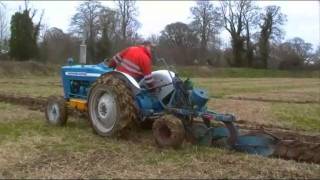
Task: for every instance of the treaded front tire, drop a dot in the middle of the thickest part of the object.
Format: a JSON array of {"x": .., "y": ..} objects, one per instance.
[
  {"x": 56, "y": 111},
  {"x": 111, "y": 106}
]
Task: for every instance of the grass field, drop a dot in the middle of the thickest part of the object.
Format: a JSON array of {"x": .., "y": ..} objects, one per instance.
[{"x": 29, "y": 148}]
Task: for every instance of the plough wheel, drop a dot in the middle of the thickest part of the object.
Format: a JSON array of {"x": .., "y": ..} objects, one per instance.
[
  {"x": 299, "y": 151},
  {"x": 168, "y": 131},
  {"x": 111, "y": 106}
]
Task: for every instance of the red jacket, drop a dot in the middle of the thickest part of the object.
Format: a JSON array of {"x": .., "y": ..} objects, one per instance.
[{"x": 135, "y": 61}]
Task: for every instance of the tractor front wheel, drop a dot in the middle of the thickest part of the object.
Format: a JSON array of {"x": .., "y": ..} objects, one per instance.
[
  {"x": 111, "y": 106},
  {"x": 56, "y": 111},
  {"x": 168, "y": 131}
]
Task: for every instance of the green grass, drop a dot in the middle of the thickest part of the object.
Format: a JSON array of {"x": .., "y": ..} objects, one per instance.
[
  {"x": 75, "y": 137},
  {"x": 27, "y": 68},
  {"x": 208, "y": 71},
  {"x": 33, "y": 68},
  {"x": 229, "y": 86},
  {"x": 300, "y": 116},
  {"x": 31, "y": 86}
]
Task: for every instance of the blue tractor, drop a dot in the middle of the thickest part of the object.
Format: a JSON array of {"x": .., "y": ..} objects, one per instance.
[{"x": 176, "y": 109}]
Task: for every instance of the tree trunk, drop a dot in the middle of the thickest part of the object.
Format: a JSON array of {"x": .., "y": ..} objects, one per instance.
[
  {"x": 237, "y": 49},
  {"x": 249, "y": 48}
]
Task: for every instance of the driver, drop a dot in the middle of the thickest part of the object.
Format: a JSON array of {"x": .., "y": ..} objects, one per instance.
[{"x": 135, "y": 61}]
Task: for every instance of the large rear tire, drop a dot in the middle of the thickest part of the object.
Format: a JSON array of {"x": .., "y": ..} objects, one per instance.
[
  {"x": 111, "y": 106},
  {"x": 56, "y": 111},
  {"x": 168, "y": 131}
]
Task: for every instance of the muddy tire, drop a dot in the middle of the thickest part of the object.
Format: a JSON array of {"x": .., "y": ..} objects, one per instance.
[
  {"x": 168, "y": 131},
  {"x": 147, "y": 124},
  {"x": 111, "y": 106},
  {"x": 56, "y": 111}
]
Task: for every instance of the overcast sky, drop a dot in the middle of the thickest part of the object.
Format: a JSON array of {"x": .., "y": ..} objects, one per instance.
[{"x": 303, "y": 16}]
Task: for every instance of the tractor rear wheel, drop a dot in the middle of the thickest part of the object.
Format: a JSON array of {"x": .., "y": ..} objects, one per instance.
[
  {"x": 111, "y": 106},
  {"x": 56, "y": 111},
  {"x": 168, "y": 131}
]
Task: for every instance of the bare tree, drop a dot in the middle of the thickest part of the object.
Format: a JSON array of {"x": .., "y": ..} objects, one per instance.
[
  {"x": 300, "y": 47},
  {"x": 4, "y": 29},
  {"x": 57, "y": 46},
  {"x": 315, "y": 59},
  {"x": 108, "y": 26},
  {"x": 270, "y": 26},
  {"x": 153, "y": 38},
  {"x": 206, "y": 22},
  {"x": 292, "y": 54},
  {"x": 234, "y": 13},
  {"x": 86, "y": 23},
  {"x": 251, "y": 21},
  {"x": 178, "y": 41},
  {"x": 179, "y": 34},
  {"x": 127, "y": 15},
  {"x": 108, "y": 22}
]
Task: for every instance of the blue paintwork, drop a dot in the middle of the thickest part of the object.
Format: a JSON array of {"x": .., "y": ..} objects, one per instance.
[
  {"x": 79, "y": 75},
  {"x": 260, "y": 144},
  {"x": 148, "y": 104},
  {"x": 77, "y": 80},
  {"x": 199, "y": 98}
]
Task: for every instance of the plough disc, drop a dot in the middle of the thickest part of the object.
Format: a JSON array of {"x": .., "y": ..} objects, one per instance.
[
  {"x": 258, "y": 143},
  {"x": 255, "y": 142}
]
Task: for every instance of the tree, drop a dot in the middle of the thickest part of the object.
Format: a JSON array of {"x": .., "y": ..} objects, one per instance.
[
  {"x": 153, "y": 38},
  {"x": 272, "y": 20},
  {"x": 86, "y": 23},
  {"x": 294, "y": 53},
  {"x": 24, "y": 34},
  {"x": 108, "y": 26},
  {"x": 251, "y": 20},
  {"x": 300, "y": 47},
  {"x": 103, "y": 46},
  {"x": 57, "y": 46},
  {"x": 234, "y": 13},
  {"x": 206, "y": 22},
  {"x": 179, "y": 42},
  {"x": 128, "y": 12},
  {"x": 3, "y": 27},
  {"x": 316, "y": 57},
  {"x": 179, "y": 35},
  {"x": 108, "y": 22}
]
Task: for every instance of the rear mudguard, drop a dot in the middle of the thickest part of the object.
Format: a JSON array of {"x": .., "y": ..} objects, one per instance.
[{"x": 130, "y": 81}]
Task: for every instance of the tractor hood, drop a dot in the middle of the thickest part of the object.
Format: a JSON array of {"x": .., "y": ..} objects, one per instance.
[
  {"x": 77, "y": 79},
  {"x": 93, "y": 71}
]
